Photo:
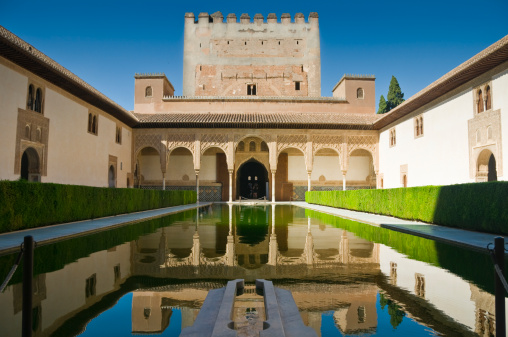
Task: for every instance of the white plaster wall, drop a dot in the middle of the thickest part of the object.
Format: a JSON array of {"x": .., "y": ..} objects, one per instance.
[
  {"x": 208, "y": 169},
  {"x": 328, "y": 166},
  {"x": 296, "y": 168},
  {"x": 13, "y": 91},
  {"x": 440, "y": 156},
  {"x": 76, "y": 156},
  {"x": 500, "y": 101},
  {"x": 178, "y": 166},
  {"x": 151, "y": 167},
  {"x": 446, "y": 291},
  {"x": 359, "y": 168}
]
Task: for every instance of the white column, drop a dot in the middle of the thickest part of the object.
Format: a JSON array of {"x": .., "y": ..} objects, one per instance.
[
  {"x": 163, "y": 181},
  {"x": 273, "y": 186},
  {"x": 344, "y": 180},
  {"x": 308, "y": 180},
  {"x": 197, "y": 185},
  {"x": 230, "y": 185}
]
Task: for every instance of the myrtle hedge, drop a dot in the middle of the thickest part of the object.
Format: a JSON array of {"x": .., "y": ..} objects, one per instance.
[
  {"x": 28, "y": 205},
  {"x": 477, "y": 206}
]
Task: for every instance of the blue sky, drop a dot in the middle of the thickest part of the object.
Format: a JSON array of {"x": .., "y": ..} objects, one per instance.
[{"x": 107, "y": 42}]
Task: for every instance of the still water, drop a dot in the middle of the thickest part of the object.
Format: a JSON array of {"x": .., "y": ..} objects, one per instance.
[{"x": 347, "y": 278}]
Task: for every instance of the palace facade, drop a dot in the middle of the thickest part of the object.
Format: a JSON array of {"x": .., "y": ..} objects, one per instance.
[{"x": 252, "y": 122}]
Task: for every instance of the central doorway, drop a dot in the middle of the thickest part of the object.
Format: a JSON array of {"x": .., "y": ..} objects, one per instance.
[{"x": 251, "y": 180}]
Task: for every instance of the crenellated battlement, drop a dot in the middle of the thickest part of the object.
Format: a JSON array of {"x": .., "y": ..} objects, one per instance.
[{"x": 218, "y": 18}]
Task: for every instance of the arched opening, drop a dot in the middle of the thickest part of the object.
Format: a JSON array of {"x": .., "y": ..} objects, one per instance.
[
  {"x": 148, "y": 92},
  {"x": 480, "y": 102},
  {"x": 359, "y": 93},
  {"x": 30, "y": 100},
  {"x": 251, "y": 180},
  {"x": 291, "y": 177},
  {"x": 30, "y": 165},
  {"x": 111, "y": 176},
  {"x": 38, "y": 100},
  {"x": 486, "y": 167},
  {"x": 148, "y": 173},
  {"x": 214, "y": 175},
  {"x": 492, "y": 175},
  {"x": 404, "y": 181},
  {"x": 326, "y": 172},
  {"x": 488, "y": 100},
  {"x": 360, "y": 173}
]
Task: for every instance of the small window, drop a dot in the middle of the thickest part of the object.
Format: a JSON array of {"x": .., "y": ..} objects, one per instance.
[
  {"x": 93, "y": 121},
  {"x": 359, "y": 93},
  {"x": 480, "y": 102},
  {"x": 419, "y": 285},
  {"x": 393, "y": 139},
  {"x": 118, "y": 135},
  {"x": 297, "y": 86},
  {"x": 148, "y": 91},
  {"x": 116, "y": 269},
  {"x": 418, "y": 123},
  {"x": 488, "y": 100},
  {"x": 404, "y": 180},
  {"x": 30, "y": 99},
  {"x": 38, "y": 137},
  {"x": 252, "y": 147},
  {"x": 241, "y": 146},
  {"x": 251, "y": 90},
  {"x": 27, "y": 131},
  {"x": 361, "y": 314},
  {"x": 38, "y": 100},
  {"x": 91, "y": 284}
]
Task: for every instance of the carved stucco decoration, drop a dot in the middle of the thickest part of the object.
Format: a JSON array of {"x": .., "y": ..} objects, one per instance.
[
  {"x": 291, "y": 141},
  {"x": 214, "y": 140},
  {"x": 327, "y": 142},
  {"x": 368, "y": 143},
  {"x": 153, "y": 140}
]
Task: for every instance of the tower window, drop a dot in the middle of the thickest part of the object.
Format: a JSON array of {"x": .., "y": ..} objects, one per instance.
[
  {"x": 360, "y": 93},
  {"x": 488, "y": 103},
  {"x": 297, "y": 86},
  {"x": 118, "y": 135},
  {"x": 251, "y": 90},
  {"x": 148, "y": 92},
  {"x": 480, "y": 102}
]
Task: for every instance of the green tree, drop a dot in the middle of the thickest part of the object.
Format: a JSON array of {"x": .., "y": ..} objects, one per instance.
[
  {"x": 395, "y": 95},
  {"x": 394, "y": 310},
  {"x": 383, "y": 107}
]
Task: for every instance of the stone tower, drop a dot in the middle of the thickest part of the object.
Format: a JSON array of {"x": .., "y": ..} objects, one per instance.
[{"x": 258, "y": 58}]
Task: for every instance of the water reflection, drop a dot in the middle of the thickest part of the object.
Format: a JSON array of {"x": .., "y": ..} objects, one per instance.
[{"x": 340, "y": 281}]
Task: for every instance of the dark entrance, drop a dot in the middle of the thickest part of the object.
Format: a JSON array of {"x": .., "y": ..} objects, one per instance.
[
  {"x": 251, "y": 180},
  {"x": 492, "y": 176},
  {"x": 30, "y": 165}
]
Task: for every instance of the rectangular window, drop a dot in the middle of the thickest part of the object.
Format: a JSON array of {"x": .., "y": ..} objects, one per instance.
[
  {"x": 418, "y": 126},
  {"x": 393, "y": 138},
  {"x": 251, "y": 90},
  {"x": 297, "y": 86},
  {"x": 420, "y": 285}
]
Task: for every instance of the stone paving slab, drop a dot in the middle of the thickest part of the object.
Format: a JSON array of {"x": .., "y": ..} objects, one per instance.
[
  {"x": 460, "y": 237},
  {"x": 10, "y": 242}
]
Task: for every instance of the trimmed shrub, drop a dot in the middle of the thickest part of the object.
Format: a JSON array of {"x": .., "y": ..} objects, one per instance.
[
  {"x": 477, "y": 206},
  {"x": 29, "y": 205}
]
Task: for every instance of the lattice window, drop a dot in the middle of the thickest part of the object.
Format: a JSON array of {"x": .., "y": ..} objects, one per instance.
[
  {"x": 148, "y": 91},
  {"x": 360, "y": 93},
  {"x": 91, "y": 285},
  {"x": 420, "y": 285}
]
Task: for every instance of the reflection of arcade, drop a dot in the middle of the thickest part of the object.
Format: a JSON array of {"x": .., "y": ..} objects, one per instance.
[{"x": 254, "y": 248}]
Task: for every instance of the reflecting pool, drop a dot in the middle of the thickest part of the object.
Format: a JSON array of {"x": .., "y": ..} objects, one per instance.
[{"x": 347, "y": 278}]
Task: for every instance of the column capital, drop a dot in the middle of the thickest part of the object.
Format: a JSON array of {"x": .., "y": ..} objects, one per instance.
[{"x": 344, "y": 172}]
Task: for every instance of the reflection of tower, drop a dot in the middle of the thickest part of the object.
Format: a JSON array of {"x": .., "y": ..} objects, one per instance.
[
  {"x": 308, "y": 250},
  {"x": 149, "y": 312}
]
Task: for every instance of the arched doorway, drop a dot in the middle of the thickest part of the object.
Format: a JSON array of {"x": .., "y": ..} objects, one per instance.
[
  {"x": 486, "y": 167},
  {"x": 111, "y": 176},
  {"x": 251, "y": 180},
  {"x": 492, "y": 175},
  {"x": 30, "y": 165}
]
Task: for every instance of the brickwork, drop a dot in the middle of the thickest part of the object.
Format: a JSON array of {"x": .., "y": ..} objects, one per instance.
[
  {"x": 221, "y": 58},
  {"x": 232, "y": 80}
]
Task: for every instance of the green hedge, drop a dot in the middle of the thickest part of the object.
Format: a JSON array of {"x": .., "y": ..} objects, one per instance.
[
  {"x": 28, "y": 205},
  {"x": 478, "y": 206}
]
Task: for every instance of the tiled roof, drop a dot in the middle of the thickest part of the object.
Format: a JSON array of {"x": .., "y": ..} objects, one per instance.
[
  {"x": 25, "y": 55},
  {"x": 482, "y": 62},
  {"x": 258, "y": 120}
]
